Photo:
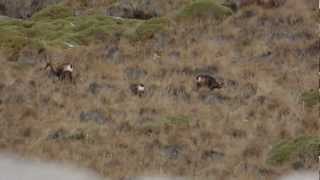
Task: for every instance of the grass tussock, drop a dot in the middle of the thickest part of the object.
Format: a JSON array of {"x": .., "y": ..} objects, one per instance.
[
  {"x": 148, "y": 28},
  {"x": 53, "y": 12},
  {"x": 56, "y": 27},
  {"x": 205, "y": 8},
  {"x": 306, "y": 148},
  {"x": 311, "y": 98}
]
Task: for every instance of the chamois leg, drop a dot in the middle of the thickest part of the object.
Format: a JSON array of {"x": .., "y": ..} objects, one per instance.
[{"x": 69, "y": 76}]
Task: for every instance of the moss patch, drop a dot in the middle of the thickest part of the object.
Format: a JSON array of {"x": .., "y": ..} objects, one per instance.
[
  {"x": 311, "y": 98},
  {"x": 177, "y": 120},
  {"x": 53, "y": 12},
  {"x": 302, "y": 147},
  {"x": 205, "y": 8},
  {"x": 55, "y": 26},
  {"x": 13, "y": 37},
  {"x": 148, "y": 28}
]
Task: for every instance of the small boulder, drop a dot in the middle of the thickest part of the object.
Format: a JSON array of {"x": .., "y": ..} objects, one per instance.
[
  {"x": 171, "y": 151},
  {"x": 23, "y": 9},
  {"x": 135, "y": 73},
  {"x": 112, "y": 55},
  {"x": 94, "y": 116},
  {"x": 145, "y": 9},
  {"x": 95, "y": 88},
  {"x": 213, "y": 98}
]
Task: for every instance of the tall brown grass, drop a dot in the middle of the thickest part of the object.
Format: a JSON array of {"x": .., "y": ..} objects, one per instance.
[{"x": 261, "y": 54}]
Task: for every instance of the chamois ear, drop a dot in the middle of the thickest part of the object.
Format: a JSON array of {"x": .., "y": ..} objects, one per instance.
[{"x": 48, "y": 64}]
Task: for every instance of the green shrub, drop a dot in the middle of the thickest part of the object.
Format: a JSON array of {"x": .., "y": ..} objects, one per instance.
[
  {"x": 205, "y": 8},
  {"x": 177, "y": 120},
  {"x": 53, "y": 12},
  {"x": 310, "y": 98},
  {"x": 55, "y": 26},
  {"x": 148, "y": 28},
  {"x": 301, "y": 147}
]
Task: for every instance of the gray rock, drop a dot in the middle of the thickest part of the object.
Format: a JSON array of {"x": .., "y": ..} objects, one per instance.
[
  {"x": 23, "y": 8},
  {"x": 112, "y": 55},
  {"x": 135, "y": 73},
  {"x": 171, "y": 151},
  {"x": 144, "y": 9},
  {"x": 95, "y": 88},
  {"x": 28, "y": 60},
  {"x": 94, "y": 116},
  {"x": 19, "y": 93},
  {"x": 213, "y": 98}
]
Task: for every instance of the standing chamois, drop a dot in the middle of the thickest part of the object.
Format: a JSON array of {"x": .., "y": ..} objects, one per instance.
[
  {"x": 137, "y": 89},
  {"x": 61, "y": 71}
]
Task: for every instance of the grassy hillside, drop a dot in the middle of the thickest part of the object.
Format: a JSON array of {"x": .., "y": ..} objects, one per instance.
[{"x": 262, "y": 123}]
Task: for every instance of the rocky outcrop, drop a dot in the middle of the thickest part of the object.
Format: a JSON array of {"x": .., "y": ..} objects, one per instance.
[
  {"x": 137, "y": 9},
  {"x": 144, "y": 9},
  {"x": 23, "y": 9},
  {"x": 236, "y": 4}
]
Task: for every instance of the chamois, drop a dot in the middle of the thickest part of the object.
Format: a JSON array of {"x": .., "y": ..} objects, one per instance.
[
  {"x": 61, "y": 71},
  {"x": 208, "y": 81},
  {"x": 137, "y": 89}
]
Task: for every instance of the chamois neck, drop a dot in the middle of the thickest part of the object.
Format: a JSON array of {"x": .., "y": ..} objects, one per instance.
[{"x": 50, "y": 66}]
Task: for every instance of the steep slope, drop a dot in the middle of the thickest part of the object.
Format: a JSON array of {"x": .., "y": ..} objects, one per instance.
[{"x": 262, "y": 55}]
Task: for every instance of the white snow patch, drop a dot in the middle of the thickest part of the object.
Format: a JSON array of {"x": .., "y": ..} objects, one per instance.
[
  {"x": 301, "y": 175},
  {"x": 14, "y": 168}
]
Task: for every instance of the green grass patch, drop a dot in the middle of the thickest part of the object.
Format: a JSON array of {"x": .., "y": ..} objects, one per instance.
[
  {"x": 311, "y": 98},
  {"x": 13, "y": 37},
  {"x": 205, "y": 8},
  {"x": 177, "y": 120},
  {"x": 148, "y": 28},
  {"x": 53, "y": 12},
  {"x": 55, "y": 26},
  {"x": 288, "y": 150}
]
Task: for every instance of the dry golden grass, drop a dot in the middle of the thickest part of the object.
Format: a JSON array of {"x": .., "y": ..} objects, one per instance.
[{"x": 260, "y": 108}]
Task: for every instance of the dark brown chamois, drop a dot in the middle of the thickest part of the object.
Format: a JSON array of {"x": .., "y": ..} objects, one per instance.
[
  {"x": 208, "y": 81},
  {"x": 61, "y": 71},
  {"x": 137, "y": 89}
]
